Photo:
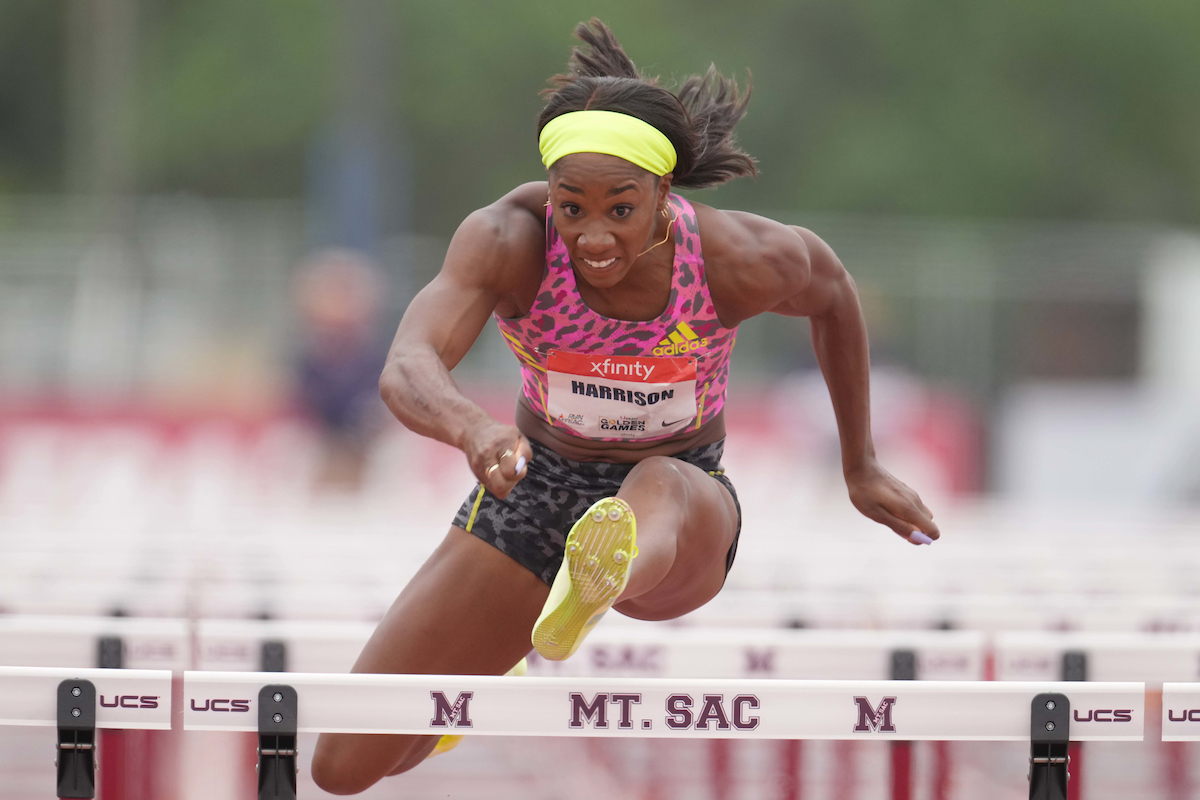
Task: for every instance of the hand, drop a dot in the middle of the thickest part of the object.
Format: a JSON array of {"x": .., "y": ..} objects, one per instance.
[
  {"x": 879, "y": 496},
  {"x": 498, "y": 455}
]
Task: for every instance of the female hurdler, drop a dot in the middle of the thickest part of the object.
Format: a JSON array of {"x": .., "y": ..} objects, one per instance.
[{"x": 621, "y": 302}]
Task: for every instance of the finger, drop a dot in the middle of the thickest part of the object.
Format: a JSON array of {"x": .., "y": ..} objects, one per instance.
[
  {"x": 525, "y": 451},
  {"x": 516, "y": 459},
  {"x": 513, "y": 461},
  {"x": 903, "y": 529},
  {"x": 921, "y": 505},
  {"x": 493, "y": 479},
  {"x": 912, "y": 514},
  {"x": 497, "y": 483}
]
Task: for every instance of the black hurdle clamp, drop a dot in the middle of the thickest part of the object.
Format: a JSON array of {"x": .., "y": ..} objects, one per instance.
[
  {"x": 1049, "y": 738},
  {"x": 273, "y": 656},
  {"x": 904, "y": 665},
  {"x": 277, "y": 743},
  {"x": 75, "y": 757},
  {"x": 110, "y": 652}
]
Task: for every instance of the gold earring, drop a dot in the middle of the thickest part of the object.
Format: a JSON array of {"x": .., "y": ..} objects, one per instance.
[{"x": 670, "y": 229}]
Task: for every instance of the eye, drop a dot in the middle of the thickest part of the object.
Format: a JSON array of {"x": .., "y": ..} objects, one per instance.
[
  {"x": 570, "y": 209},
  {"x": 622, "y": 211}
]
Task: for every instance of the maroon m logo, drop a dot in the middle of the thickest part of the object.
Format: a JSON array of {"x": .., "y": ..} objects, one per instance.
[
  {"x": 446, "y": 715},
  {"x": 876, "y": 719},
  {"x": 760, "y": 660}
]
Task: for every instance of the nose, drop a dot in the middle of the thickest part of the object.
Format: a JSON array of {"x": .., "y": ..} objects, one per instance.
[{"x": 596, "y": 240}]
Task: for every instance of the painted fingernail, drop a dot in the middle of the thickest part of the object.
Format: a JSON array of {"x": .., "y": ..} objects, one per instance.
[
  {"x": 919, "y": 538},
  {"x": 520, "y": 465}
]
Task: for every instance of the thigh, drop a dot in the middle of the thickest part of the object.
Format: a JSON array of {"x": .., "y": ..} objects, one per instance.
[
  {"x": 704, "y": 518},
  {"x": 469, "y": 610}
]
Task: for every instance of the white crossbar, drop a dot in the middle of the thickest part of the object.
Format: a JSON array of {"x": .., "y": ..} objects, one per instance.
[
  {"x": 653, "y": 652},
  {"x": 752, "y": 709},
  {"x": 1154, "y": 658},
  {"x": 1181, "y": 712},
  {"x": 633, "y": 651},
  {"x": 125, "y": 698},
  {"x": 40, "y": 641}
]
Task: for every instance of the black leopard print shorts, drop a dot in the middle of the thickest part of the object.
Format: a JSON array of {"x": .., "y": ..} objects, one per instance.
[{"x": 532, "y": 523}]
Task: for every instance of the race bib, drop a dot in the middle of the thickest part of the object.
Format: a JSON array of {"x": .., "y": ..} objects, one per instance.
[{"x": 625, "y": 397}]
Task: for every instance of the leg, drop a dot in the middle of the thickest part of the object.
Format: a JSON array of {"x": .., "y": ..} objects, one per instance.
[
  {"x": 467, "y": 611},
  {"x": 686, "y": 523}
]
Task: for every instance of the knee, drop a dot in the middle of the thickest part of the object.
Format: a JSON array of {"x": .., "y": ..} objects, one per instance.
[
  {"x": 662, "y": 473},
  {"x": 333, "y": 772}
]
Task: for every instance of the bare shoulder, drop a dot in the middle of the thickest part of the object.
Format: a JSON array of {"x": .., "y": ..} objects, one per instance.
[
  {"x": 751, "y": 262},
  {"x": 501, "y": 243}
]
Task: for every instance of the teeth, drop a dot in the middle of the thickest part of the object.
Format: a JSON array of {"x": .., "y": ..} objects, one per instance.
[{"x": 599, "y": 264}]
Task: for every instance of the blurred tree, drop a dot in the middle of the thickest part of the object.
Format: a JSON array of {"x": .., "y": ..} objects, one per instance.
[
  {"x": 31, "y": 95},
  {"x": 1082, "y": 110}
]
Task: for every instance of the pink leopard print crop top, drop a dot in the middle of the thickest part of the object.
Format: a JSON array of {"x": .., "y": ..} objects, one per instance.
[{"x": 620, "y": 380}]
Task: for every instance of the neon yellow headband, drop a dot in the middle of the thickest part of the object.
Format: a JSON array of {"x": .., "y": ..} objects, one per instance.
[{"x": 607, "y": 132}]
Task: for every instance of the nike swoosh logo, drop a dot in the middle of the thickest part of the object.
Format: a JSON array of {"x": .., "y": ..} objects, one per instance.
[{"x": 676, "y": 422}]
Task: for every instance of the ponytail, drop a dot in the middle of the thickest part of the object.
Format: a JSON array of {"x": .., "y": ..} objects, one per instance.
[{"x": 699, "y": 121}]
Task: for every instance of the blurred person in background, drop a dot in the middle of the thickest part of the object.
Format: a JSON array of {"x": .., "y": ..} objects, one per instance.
[
  {"x": 338, "y": 296},
  {"x": 621, "y": 302}
]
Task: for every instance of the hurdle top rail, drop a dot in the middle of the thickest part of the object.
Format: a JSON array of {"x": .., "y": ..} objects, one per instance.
[
  {"x": 125, "y": 698},
  {"x": 663, "y": 707},
  {"x": 615, "y": 651},
  {"x": 622, "y": 650},
  {"x": 146, "y": 643},
  {"x": 1154, "y": 658}
]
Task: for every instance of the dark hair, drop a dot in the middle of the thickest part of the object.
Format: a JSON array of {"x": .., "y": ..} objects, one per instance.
[{"x": 699, "y": 121}]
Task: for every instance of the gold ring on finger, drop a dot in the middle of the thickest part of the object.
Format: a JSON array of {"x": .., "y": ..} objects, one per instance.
[{"x": 490, "y": 470}]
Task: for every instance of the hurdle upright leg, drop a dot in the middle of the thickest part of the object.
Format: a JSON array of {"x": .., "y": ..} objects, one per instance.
[
  {"x": 1075, "y": 668},
  {"x": 904, "y": 668},
  {"x": 790, "y": 753}
]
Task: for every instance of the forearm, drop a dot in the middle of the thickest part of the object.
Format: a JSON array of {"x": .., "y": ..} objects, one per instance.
[
  {"x": 418, "y": 389},
  {"x": 839, "y": 337}
]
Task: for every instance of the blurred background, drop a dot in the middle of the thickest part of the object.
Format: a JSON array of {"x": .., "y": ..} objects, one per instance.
[{"x": 213, "y": 214}]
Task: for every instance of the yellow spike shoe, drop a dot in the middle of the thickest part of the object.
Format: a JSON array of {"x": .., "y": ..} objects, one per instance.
[
  {"x": 446, "y": 744},
  {"x": 594, "y": 572},
  {"x": 450, "y": 741}
]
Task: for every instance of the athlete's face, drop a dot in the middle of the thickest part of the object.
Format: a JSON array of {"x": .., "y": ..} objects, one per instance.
[{"x": 607, "y": 211}]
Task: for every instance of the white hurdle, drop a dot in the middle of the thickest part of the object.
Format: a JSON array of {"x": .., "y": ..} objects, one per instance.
[
  {"x": 278, "y": 708},
  {"x": 126, "y": 699},
  {"x": 87, "y": 642},
  {"x": 78, "y": 702},
  {"x": 659, "y": 708},
  {"x": 795, "y": 654}
]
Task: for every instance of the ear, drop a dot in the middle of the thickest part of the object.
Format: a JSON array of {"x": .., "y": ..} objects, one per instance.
[{"x": 664, "y": 189}]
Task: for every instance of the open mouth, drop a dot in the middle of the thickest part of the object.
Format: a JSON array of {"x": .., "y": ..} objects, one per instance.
[{"x": 605, "y": 264}]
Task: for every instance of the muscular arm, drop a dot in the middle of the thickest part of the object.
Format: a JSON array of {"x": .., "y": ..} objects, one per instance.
[
  {"x": 489, "y": 255},
  {"x": 759, "y": 265},
  {"x": 839, "y": 334},
  {"x": 829, "y": 299}
]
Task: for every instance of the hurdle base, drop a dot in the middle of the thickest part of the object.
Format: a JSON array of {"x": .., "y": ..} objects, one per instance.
[
  {"x": 1049, "y": 741},
  {"x": 75, "y": 757},
  {"x": 277, "y": 769}
]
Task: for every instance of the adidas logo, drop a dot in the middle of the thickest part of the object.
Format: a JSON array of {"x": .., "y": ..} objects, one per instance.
[{"x": 680, "y": 339}]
